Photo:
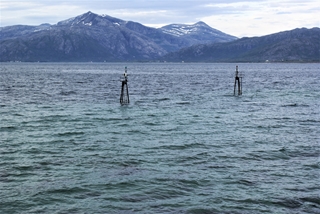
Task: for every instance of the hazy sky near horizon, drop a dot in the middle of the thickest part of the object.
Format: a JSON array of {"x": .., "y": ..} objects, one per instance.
[{"x": 236, "y": 17}]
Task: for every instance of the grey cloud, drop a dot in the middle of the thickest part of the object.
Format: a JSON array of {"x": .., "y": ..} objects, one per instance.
[{"x": 159, "y": 12}]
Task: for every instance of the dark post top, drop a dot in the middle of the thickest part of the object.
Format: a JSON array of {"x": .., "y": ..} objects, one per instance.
[
  {"x": 237, "y": 71},
  {"x": 125, "y": 74}
]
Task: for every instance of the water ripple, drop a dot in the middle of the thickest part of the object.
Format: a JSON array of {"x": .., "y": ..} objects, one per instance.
[{"x": 184, "y": 144}]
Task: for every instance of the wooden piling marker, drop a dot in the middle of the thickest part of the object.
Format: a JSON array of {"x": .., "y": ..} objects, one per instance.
[
  {"x": 124, "y": 97},
  {"x": 237, "y": 80}
]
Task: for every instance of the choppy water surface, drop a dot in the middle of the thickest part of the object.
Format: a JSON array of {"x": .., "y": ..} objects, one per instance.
[{"x": 184, "y": 144}]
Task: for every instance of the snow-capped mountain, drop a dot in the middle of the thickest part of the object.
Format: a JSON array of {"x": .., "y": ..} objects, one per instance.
[
  {"x": 92, "y": 19},
  {"x": 92, "y": 37},
  {"x": 199, "y": 31},
  {"x": 297, "y": 45}
]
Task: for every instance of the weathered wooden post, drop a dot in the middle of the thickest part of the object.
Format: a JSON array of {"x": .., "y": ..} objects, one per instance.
[
  {"x": 124, "y": 97},
  {"x": 237, "y": 80}
]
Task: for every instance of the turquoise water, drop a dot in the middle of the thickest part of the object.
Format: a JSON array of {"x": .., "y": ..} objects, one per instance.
[{"x": 184, "y": 144}]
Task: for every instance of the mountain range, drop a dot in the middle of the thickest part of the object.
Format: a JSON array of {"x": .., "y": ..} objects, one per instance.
[
  {"x": 298, "y": 45},
  {"x": 92, "y": 37}
]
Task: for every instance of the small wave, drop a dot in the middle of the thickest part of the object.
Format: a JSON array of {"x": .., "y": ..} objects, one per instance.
[
  {"x": 295, "y": 105},
  {"x": 184, "y": 103},
  {"x": 203, "y": 211},
  {"x": 4, "y": 176},
  {"x": 140, "y": 102},
  {"x": 67, "y": 93},
  {"x": 137, "y": 131},
  {"x": 180, "y": 147},
  {"x": 124, "y": 125},
  {"x": 246, "y": 182},
  {"x": 162, "y": 99},
  {"x": 229, "y": 95},
  {"x": 219, "y": 167},
  {"x": 152, "y": 115},
  {"x": 313, "y": 166},
  {"x": 151, "y": 124},
  {"x": 70, "y": 191},
  {"x": 8, "y": 128},
  {"x": 309, "y": 121},
  {"x": 116, "y": 119},
  {"x": 46, "y": 107},
  {"x": 314, "y": 200},
  {"x": 290, "y": 105},
  {"x": 271, "y": 155},
  {"x": 289, "y": 203},
  {"x": 172, "y": 147},
  {"x": 165, "y": 193},
  {"x": 299, "y": 153},
  {"x": 71, "y": 133}
]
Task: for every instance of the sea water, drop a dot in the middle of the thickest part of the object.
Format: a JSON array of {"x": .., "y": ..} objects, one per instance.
[{"x": 184, "y": 144}]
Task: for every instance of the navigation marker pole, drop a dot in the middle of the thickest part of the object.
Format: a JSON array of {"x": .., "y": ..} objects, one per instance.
[
  {"x": 124, "y": 97},
  {"x": 238, "y": 79}
]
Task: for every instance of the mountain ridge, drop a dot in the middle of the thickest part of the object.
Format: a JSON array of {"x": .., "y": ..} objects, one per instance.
[
  {"x": 89, "y": 37},
  {"x": 92, "y": 37},
  {"x": 192, "y": 32},
  {"x": 297, "y": 45}
]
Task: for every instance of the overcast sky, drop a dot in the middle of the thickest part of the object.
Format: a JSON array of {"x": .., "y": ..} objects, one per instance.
[{"x": 236, "y": 17}]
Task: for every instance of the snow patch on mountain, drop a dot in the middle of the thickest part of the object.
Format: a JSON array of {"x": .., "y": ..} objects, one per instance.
[
  {"x": 184, "y": 29},
  {"x": 198, "y": 31}
]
